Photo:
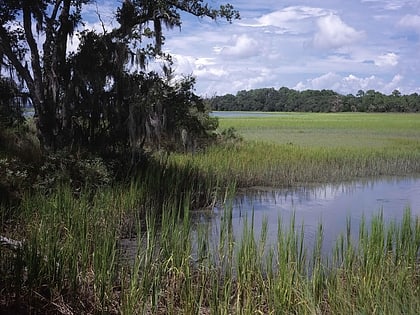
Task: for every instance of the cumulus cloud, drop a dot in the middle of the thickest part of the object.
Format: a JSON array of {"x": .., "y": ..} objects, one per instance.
[
  {"x": 350, "y": 84},
  {"x": 394, "y": 84},
  {"x": 204, "y": 68},
  {"x": 386, "y": 60},
  {"x": 243, "y": 47},
  {"x": 236, "y": 79},
  {"x": 334, "y": 33}
]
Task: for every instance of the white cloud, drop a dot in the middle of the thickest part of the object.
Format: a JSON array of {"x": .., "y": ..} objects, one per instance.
[
  {"x": 290, "y": 20},
  {"x": 367, "y": 44},
  {"x": 394, "y": 84},
  {"x": 243, "y": 47},
  {"x": 202, "y": 68},
  {"x": 351, "y": 83},
  {"x": 294, "y": 13},
  {"x": 391, "y": 5},
  {"x": 334, "y": 33},
  {"x": 386, "y": 60},
  {"x": 410, "y": 21}
]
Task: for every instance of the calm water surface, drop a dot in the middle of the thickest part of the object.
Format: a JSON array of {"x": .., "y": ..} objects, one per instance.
[
  {"x": 237, "y": 114},
  {"x": 330, "y": 205}
]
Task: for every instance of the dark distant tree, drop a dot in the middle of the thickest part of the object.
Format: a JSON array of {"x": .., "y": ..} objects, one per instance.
[
  {"x": 283, "y": 94},
  {"x": 337, "y": 104},
  {"x": 395, "y": 102},
  {"x": 379, "y": 102},
  {"x": 350, "y": 103},
  {"x": 272, "y": 100},
  {"x": 225, "y": 102},
  {"x": 413, "y": 102},
  {"x": 285, "y": 99},
  {"x": 293, "y": 101}
]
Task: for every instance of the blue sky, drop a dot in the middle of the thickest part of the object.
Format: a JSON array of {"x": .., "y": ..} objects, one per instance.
[{"x": 343, "y": 45}]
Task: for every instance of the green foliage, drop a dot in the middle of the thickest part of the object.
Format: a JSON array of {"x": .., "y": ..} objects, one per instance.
[
  {"x": 102, "y": 98},
  {"x": 230, "y": 135},
  {"x": 289, "y": 100},
  {"x": 79, "y": 172},
  {"x": 291, "y": 149},
  {"x": 19, "y": 158},
  {"x": 11, "y": 100},
  {"x": 118, "y": 111},
  {"x": 75, "y": 258}
]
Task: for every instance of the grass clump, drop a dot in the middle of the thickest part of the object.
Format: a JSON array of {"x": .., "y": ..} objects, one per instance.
[
  {"x": 268, "y": 164},
  {"x": 74, "y": 259},
  {"x": 290, "y": 149}
]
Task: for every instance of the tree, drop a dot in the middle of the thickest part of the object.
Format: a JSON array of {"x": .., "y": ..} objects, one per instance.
[
  {"x": 11, "y": 103},
  {"x": 41, "y": 29}
]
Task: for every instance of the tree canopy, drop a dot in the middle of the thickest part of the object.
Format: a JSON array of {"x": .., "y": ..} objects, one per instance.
[
  {"x": 102, "y": 95},
  {"x": 285, "y": 99}
]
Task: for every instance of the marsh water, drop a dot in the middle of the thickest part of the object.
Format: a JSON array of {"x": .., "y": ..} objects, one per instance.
[{"x": 332, "y": 205}]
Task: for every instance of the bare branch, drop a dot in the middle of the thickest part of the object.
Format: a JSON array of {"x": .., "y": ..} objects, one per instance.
[{"x": 100, "y": 18}]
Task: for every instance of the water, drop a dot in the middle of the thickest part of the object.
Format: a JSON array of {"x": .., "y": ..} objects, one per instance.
[
  {"x": 237, "y": 114},
  {"x": 331, "y": 205}
]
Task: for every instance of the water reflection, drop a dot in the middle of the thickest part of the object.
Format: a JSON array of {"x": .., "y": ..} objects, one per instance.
[{"x": 332, "y": 205}]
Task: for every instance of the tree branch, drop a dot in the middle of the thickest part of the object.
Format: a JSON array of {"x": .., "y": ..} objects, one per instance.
[
  {"x": 35, "y": 58},
  {"x": 6, "y": 48}
]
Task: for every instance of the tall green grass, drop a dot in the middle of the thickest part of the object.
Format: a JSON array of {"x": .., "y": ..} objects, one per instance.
[
  {"x": 268, "y": 164},
  {"x": 299, "y": 148},
  {"x": 73, "y": 260}
]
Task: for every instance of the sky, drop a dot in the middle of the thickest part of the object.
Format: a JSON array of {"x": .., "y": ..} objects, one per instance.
[{"x": 342, "y": 45}]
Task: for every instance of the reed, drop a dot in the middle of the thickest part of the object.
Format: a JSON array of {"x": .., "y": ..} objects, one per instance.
[
  {"x": 277, "y": 165},
  {"x": 73, "y": 260}
]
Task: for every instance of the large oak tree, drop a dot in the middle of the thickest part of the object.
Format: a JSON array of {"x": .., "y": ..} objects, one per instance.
[{"x": 80, "y": 96}]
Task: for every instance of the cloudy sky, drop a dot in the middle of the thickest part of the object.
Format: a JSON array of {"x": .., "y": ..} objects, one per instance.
[{"x": 343, "y": 45}]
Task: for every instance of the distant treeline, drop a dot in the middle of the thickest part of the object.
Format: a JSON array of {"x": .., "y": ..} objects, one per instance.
[{"x": 289, "y": 100}]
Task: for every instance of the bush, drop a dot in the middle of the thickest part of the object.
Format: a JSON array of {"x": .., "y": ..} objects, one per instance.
[{"x": 78, "y": 171}]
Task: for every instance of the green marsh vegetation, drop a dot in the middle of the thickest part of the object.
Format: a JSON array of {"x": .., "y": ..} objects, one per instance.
[
  {"x": 300, "y": 148},
  {"x": 73, "y": 257},
  {"x": 89, "y": 177},
  {"x": 73, "y": 260}
]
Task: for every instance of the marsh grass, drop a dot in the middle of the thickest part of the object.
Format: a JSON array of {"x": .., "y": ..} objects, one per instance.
[
  {"x": 301, "y": 148},
  {"x": 73, "y": 258},
  {"x": 327, "y": 129},
  {"x": 294, "y": 148},
  {"x": 72, "y": 262},
  {"x": 268, "y": 164}
]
